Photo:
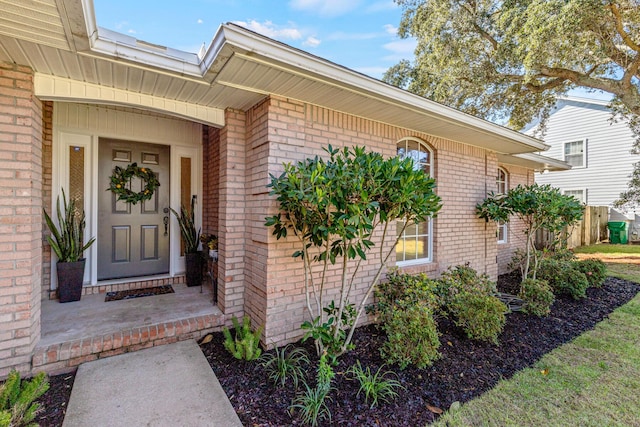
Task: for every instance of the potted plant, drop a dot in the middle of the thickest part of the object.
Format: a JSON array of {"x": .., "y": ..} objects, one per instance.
[
  {"x": 211, "y": 242},
  {"x": 191, "y": 240},
  {"x": 67, "y": 243}
]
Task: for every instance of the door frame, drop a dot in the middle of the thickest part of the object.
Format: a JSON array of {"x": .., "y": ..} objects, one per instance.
[{"x": 67, "y": 134}]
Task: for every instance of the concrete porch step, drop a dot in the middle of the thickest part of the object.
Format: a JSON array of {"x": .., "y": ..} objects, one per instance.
[{"x": 91, "y": 329}]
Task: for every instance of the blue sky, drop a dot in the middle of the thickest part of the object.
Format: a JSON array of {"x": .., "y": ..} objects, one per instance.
[{"x": 358, "y": 34}]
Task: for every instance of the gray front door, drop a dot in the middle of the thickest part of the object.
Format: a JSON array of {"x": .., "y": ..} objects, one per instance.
[{"x": 132, "y": 239}]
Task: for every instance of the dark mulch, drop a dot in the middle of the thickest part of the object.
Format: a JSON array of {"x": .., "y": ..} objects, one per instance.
[
  {"x": 138, "y": 293},
  {"x": 55, "y": 400},
  {"x": 466, "y": 369}
]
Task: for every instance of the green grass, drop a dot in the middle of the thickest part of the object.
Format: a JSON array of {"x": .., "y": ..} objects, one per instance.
[
  {"x": 592, "y": 381},
  {"x": 606, "y": 248},
  {"x": 629, "y": 272}
]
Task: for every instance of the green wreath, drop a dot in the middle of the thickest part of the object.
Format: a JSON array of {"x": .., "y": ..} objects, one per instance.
[{"x": 122, "y": 177}]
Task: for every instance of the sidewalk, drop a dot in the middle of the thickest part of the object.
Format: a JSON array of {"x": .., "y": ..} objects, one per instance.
[{"x": 168, "y": 385}]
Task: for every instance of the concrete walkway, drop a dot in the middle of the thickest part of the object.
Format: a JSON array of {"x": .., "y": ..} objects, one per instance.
[{"x": 168, "y": 385}]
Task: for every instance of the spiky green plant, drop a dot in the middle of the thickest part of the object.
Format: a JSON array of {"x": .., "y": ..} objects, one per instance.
[
  {"x": 375, "y": 386},
  {"x": 246, "y": 344},
  {"x": 285, "y": 363},
  {"x": 17, "y": 406},
  {"x": 187, "y": 221},
  {"x": 67, "y": 241},
  {"x": 312, "y": 404}
]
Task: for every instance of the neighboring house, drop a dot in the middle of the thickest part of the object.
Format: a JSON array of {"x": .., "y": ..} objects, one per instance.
[
  {"x": 580, "y": 132},
  {"x": 76, "y": 100}
]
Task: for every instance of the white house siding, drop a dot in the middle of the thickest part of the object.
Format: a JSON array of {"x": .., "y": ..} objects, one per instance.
[{"x": 609, "y": 162}]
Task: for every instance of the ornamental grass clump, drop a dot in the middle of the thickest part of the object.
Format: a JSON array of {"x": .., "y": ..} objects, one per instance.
[
  {"x": 376, "y": 386},
  {"x": 285, "y": 364}
]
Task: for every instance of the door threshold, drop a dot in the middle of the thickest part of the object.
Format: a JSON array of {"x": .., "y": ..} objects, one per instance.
[{"x": 131, "y": 279}]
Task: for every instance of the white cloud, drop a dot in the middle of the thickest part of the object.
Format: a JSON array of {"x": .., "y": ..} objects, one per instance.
[
  {"x": 381, "y": 6},
  {"x": 311, "y": 42},
  {"x": 325, "y": 7},
  {"x": 132, "y": 31},
  {"x": 400, "y": 49},
  {"x": 272, "y": 30},
  {"x": 200, "y": 21},
  {"x": 391, "y": 29}
]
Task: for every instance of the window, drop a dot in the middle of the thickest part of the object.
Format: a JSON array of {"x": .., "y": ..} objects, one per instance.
[
  {"x": 502, "y": 186},
  {"x": 575, "y": 153},
  {"x": 580, "y": 194},
  {"x": 415, "y": 243}
]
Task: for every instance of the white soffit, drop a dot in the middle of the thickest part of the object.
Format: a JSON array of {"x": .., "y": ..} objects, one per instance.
[
  {"x": 37, "y": 21},
  {"x": 534, "y": 161},
  {"x": 58, "y": 89}
]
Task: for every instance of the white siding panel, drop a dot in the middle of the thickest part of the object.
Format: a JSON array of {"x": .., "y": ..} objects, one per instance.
[
  {"x": 125, "y": 123},
  {"x": 609, "y": 161}
]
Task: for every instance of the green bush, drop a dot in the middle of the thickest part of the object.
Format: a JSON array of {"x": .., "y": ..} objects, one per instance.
[
  {"x": 594, "y": 269},
  {"x": 246, "y": 344},
  {"x": 538, "y": 297},
  {"x": 482, "y": 317},
  {"x": 563, "y": 277},
  {"x": 412, "y": 335},
  {"x": 463, "y": 279},
  {"x": 404, "y": 289},
  {"x": 17, "y": 406}
]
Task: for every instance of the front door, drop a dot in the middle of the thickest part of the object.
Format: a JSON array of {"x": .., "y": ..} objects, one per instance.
[{"x": 133, "y": 240}]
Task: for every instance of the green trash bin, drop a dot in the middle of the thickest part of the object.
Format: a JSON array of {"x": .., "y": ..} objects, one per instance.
[{"x": 618, "y": 232}]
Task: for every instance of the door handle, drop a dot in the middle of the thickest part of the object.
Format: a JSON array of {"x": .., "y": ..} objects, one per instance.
[{"x": 165, "y": 220}]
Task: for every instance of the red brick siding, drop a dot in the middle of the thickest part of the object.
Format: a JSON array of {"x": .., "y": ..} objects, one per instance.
[
  {"x": 47, "y": 175},
  {"x": 211, "y": 179},
  {"x": 232, "y": 222},
  {"x": 20, "y": 217},
  {"x": 297, "y": 130}
]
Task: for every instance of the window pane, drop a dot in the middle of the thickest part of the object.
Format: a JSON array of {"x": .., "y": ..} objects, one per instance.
[{"x": 76, "y": 176}]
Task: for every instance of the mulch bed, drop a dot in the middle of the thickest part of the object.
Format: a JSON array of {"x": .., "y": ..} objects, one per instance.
[
  {"x": 467, "y": 368},
  {"x": 138, "y": 293}
]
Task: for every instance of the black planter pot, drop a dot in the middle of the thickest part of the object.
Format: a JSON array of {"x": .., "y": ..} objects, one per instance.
[
  {"x": 70, "y": 275},
  {"x": 194, "y": 262}
]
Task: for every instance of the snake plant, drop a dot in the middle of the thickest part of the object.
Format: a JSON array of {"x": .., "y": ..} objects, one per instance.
[
  {"x": 186, "y": 220},
  {"x": 67, "y": 240}
]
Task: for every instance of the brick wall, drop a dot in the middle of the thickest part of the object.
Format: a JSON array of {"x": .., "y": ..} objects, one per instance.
[
  {"x": 232, "y": 225},
  {"x": 20, "y": 217},
  {"x": 211, "y": 179},
  {"x": 515, "y": 230},
  {"x": 296, "y": 131},
  {"x": 47, "y": 176}
]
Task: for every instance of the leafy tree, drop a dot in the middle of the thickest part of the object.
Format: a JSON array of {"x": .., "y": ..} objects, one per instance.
[
  {"x": 508, "y": 61},
  {"x": 333, "y": 207},
  {"x": 538, "y": 207}
]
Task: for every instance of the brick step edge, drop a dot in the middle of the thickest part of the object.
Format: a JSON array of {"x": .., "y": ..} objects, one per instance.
[{"x": 68, "y": 355}]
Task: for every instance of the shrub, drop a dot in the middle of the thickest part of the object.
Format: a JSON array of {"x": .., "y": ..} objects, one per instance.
[
  {"x": 594, "y": 269},
  {"x": 412, "y": 335},
  {"x": 375, "y": 386},
  {"x": 405, "y": 289},
  {"x": 538, "y": 297},
  {"x": 17, "y": 406},
  {"x": 563, "y": 277},
  {"x": 463, "y": 279},
  {"x": 285, "y": 363},
  {"x": 246, "y": 344},
  {"x": 482, "y": 317}
]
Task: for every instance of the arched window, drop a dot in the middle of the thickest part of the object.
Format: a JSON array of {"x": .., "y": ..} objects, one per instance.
[
  {"x": 415, "y": 245},
  {"x": 502, "y": 184}
]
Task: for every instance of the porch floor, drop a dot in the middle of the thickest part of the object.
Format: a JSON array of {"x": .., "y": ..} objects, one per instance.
[{"x": 89, "y": 329}]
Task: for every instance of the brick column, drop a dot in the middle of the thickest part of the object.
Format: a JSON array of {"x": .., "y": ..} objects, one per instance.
[
  {"x": 20, "y": 217},
  {"x": 232, "y": 215}
]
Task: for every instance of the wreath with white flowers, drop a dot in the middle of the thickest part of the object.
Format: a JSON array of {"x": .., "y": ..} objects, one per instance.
[{"x": 122, "y": 177}]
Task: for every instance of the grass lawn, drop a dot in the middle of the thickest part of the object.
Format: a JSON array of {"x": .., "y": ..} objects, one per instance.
[{"x": 592, "y": 381}]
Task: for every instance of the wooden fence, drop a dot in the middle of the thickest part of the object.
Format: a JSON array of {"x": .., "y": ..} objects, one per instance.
[{"x": 591, "y": 229}]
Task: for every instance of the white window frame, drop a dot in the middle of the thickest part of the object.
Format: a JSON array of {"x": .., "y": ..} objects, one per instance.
[
  {"x": 582, "y": 189},
  {"x": 584, "y": 152},
  {"x": 502, "y": 225},
  {"x": 431, "y": 169}
]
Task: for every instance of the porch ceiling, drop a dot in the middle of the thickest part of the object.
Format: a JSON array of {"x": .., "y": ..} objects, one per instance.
[{"x": 60, "y": 38}]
